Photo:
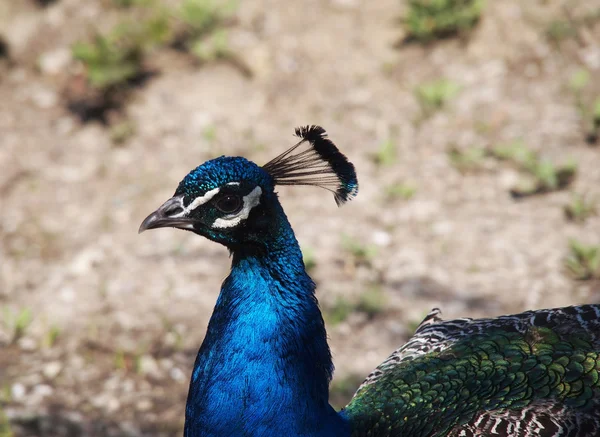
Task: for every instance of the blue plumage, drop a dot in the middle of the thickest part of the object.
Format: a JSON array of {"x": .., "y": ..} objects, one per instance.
[
  {"x": 221, "y": 171},
  {"x": 264, "y": 367}
]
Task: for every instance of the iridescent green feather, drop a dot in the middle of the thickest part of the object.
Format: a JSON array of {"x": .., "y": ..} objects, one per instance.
[{"x": 436, "y": 392}]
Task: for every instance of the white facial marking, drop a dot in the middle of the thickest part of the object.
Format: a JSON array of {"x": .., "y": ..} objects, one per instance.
[
  {"x": 233, "y": 183},
  {"x": 201, "y": 200},
  {"x": 251, "y": 200}
]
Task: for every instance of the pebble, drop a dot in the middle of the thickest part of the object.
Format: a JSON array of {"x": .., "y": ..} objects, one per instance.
[
  {"x": 149, "y": 366},
  {"x": 18, "y": 391},
  {"x": 144, "y": 405},
  {"x": 55, "y": 61},
  {"x": 177, "y": 374},
  {"x": 27, "y": 344},
  {"x": 381, "y": 238},
  {"x": 44, "y": 98},
  {"x": 40, "y": 392},
  {"x": 52, "y": 369}
]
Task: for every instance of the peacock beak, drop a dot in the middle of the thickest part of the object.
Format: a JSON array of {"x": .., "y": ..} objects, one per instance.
[{"x": 170, "y": 214}]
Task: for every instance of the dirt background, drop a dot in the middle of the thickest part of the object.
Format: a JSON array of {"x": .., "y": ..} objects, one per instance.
[{"x": 116, "y": 318}]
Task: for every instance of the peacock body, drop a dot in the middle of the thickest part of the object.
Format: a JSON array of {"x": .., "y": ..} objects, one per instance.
[{"x": 264, "y": 366}]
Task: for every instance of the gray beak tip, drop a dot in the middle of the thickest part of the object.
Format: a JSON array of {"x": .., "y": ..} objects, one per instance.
[
  {"x": 150, "y": 221},
  {"x": 168, "y": 215}
]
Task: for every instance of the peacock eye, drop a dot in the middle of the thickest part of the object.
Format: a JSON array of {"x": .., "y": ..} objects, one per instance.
[{"x": 229, "y": 203}]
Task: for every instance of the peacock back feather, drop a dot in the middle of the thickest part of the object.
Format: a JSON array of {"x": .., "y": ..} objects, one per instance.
[{"x": 530, "y": 374}]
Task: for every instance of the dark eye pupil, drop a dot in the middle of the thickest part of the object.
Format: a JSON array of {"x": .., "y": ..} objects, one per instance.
[{"x": 229, "y": 203}]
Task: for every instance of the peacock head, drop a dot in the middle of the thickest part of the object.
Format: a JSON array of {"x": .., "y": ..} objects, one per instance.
[{"x": 232, "y": 201}]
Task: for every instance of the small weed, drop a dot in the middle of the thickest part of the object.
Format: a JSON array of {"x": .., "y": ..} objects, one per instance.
[
  {"x": 400, "y": 190},
  {"x": 308, "y": 256},
  {"x": 386, "y": 153},
  {"x": 137, "y": 364},
  {"x": 545, "y": 178},
  {"x": 339, "y": 311},
  {"x": 560, "y": 30},
  {"x": 108, "y": 62},
  {"x": 542, "y": 176},
  {"x": 518, "y": 153},
  {"x": 360, "y": 253},
  {"x": 211, "y": 48},
  {"x": 579, "y": 208},
  {"x": 579, "y": 80},
  {"x": 428, "y": 20},
  {"x": 588, "y": 107},
  {"x": 131, "y": 3},
  {"x": 467, "y": 160},
  {"x": 5, "y": 429},
  {"x": 202, "y": 16},
  {"x": 342, "y": 390},
  {"x": 210, "y": 133},
  {"x": 121, "y": 132},
  {"x": 372, "y": 302},
  {"x": 117, "y": 60},
  {"x": 124, "y": 3},
  {"x": 120, "y": 360},
  {"x": 202, "y": 33},
  {"x": 569, "y": 27},
  {"x": 113, "y": 63},
  {"x": 17, "y": 322},
  {"x": 433, "y": 96},
  {"x": 583, "y": 261},
  {"x": 51, "y": 336},
  {"x": 6, "y": 394}
]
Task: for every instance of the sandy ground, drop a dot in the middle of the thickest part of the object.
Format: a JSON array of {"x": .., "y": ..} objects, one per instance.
[{"x": 117, "y": 318}]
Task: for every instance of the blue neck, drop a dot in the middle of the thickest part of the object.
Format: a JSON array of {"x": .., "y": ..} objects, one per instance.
[{"x": 264, "y": 366}]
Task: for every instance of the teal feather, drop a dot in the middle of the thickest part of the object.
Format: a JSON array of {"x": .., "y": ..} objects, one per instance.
[{"x": 535, "y": 373}]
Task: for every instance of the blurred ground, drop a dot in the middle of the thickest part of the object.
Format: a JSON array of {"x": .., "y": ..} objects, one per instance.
[{"x": 116, "y": 318}]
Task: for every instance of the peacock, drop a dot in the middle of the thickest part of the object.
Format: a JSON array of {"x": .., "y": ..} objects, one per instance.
[{"x": 264, "y": 366}]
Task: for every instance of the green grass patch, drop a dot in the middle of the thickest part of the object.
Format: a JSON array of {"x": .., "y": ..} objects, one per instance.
[
  {"x": 371, "y": 302},
  {"x": 51, "y": 336},
  {"x": 540, "y": 176},
  {"x": 583, "y": 261},
  {"x": 17, "y": 322},
  {"x": 308, "y": 256},
  {"x": 339, "y": 311},
  {"x": 386, "y": 153},
  {"x": 468, "y": 159},
  {"x": 5, "y": 429},
  {"x": 400, "y": 190},
  {"x": 587, "y": 104},
  {"x": 434, "y": 95},
  {"x": 114, "y": 59},
  {"x": 119, "y": 59},
  {"x": 121, "y": 132},
  {"x": 359, "y": 252},
  {"x": 579, "y": 208},
  {"x": 429, "y": 20},
  {"x": 202, "y": 33}
]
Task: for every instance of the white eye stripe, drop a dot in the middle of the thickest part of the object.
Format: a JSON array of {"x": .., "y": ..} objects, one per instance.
[
  {"x": 251, "y": 200},
  {"x": 200, "y": 200}
]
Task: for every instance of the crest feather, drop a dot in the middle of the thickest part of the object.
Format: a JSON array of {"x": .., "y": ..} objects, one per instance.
[{"x": 321, "y": 165}]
